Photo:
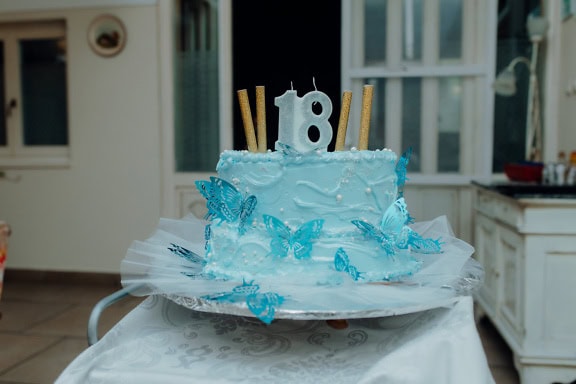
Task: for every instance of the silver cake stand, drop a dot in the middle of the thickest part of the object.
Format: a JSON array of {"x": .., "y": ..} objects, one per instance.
[{"x": 470, "y": 279}]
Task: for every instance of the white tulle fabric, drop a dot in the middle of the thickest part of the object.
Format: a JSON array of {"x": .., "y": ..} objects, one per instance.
[{"x": 155, "y": 269}]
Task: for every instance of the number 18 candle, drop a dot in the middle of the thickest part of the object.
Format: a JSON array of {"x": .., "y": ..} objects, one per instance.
[{"x": 297, "y": 117}]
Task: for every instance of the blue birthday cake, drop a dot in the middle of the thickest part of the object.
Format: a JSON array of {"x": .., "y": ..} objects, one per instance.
[
  {"x": 321, "y": 216},
  {"x": 302, "y": 229},
  {"x": 303, "y": 211}
]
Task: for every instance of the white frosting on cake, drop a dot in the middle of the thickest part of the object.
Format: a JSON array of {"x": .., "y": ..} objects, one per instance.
[
  {"x": 335, "y": 186},
  {"x": 331, "y": 188}
]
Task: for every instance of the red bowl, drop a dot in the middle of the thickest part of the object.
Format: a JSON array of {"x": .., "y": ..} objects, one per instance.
[{"x": 524, "y": 171}]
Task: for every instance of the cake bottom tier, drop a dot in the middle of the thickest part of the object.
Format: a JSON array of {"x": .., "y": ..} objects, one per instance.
[{"x": 171, "y": 263}]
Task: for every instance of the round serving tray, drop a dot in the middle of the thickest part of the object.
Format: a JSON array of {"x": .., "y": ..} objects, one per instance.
[{"x": 284, "y": 312}]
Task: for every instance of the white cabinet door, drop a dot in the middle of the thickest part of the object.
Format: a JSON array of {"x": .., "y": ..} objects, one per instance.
[
  {"x": 511, "y": 248},
  {"x": 485, "y": 233},
  {"x": 528, "y": 250}
]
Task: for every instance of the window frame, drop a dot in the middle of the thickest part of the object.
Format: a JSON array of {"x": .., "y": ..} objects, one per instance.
[
  {"x": 476, "y": 70},
  {"x": 16, "y": 154}
]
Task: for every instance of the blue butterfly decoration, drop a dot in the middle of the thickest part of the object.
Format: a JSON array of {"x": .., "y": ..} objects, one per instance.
[
  {"x": 392, "y": 224},
  {"x": 284, "y": 240},
  {"x": 246, "y": 288},
  {"x": 394, "y": 232},
  {"x": 207, "y": 236},
  {"x": 342, "y": 264},
  {"x": 396, "y": 216},
  {"x": 196, "y": 260},
  {"x": 186, "y": 254},
  {"x": 262, "y": 305},
  {"x": 287, "y": 150},
  {"x": 423, "y": 245},
  {"x": 225, "y": 202},
  {"x": 377, "y": 234},
  {"x": 401, "y": 166}
]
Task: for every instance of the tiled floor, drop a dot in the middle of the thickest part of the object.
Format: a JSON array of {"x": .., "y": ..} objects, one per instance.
[{"x": 43, "y": 327}]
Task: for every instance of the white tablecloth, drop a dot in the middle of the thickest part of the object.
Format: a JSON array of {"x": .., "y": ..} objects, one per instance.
[{"x": 162, "y": 342}]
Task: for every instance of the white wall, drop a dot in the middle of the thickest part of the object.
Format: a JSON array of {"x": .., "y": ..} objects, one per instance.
[{"x": 84, "y": 217}]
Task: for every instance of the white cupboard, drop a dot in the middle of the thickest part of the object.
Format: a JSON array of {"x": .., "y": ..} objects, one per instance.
[{"x": 528, "y": 249}]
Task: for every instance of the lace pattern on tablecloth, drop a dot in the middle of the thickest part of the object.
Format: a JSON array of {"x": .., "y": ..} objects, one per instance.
[{"x": 161, "y": 339}]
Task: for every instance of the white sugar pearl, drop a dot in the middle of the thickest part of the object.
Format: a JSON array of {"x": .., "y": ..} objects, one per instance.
[
  {"x": 368, "y": 190},
  {"x": 338, "y": 197}
]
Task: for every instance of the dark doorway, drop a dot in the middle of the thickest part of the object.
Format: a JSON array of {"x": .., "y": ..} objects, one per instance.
[{"x": 280, "y": 44}]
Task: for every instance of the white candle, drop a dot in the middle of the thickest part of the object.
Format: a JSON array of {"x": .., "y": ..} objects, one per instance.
[{"x": 297, "y": 117}]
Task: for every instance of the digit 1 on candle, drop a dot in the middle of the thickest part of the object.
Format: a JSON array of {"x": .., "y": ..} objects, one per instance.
[
  {"x": 285, "y": 104},
  {"x": 247, "y": 119},
  {"x": 261, "y": 118},
  {"x": 366, "y": 113}
]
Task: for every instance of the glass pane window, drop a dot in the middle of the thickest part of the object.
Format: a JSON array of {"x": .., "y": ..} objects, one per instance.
[
  {"x": 411, "y": 120},
  {"x": 34, "y": 129},
  {"x": 427, "y": 61},
  {"x": 43, "y": 87},
  {"x": 197, "y": 145},
  {"x": 375, "y": 13},
  {"x": 449, "y": 124},
  {"x": 412, "y": 31},
  {"x": 510, "y": 111},
  {"x": 451, "y": 28},
  {"x": 376, "y": 137}
]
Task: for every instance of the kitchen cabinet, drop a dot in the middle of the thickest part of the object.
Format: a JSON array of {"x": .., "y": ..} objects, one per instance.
[{"x": 526, "y": 243}]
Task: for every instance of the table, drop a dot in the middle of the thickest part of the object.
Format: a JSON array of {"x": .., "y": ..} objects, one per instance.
[{"x": 163, "y": 342}]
